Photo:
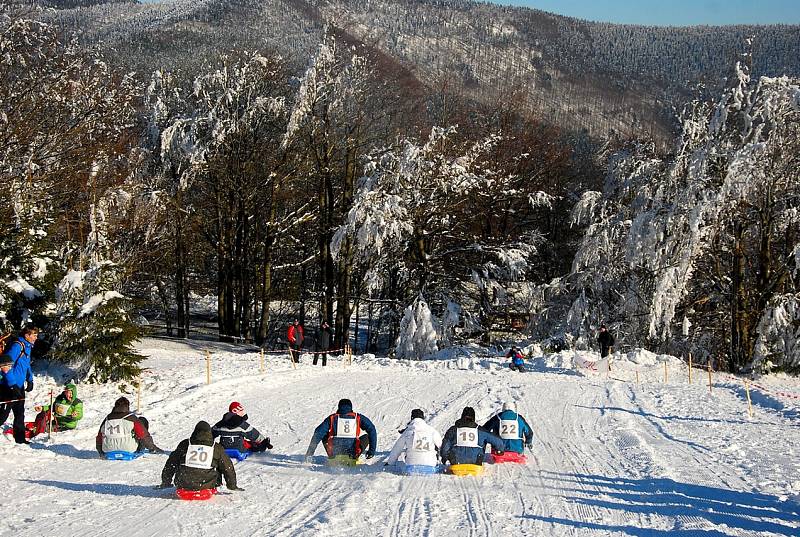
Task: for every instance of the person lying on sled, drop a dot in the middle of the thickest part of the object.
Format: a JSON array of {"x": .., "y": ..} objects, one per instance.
[
  {"x": 198, "y": 463},
  {"x": 419, "y": 443},
  {"x": 511, "y": 428},
  {"x": 66, "y": 412},
  {"x": 465, "y": 442},
  {"x": 341, "y": 434},
  {"x": 234, "y": 432}
]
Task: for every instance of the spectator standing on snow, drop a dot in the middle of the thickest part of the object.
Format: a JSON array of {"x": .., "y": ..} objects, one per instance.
[
  {"x": 17, "y": 380},
  {"x": 122, "y": 430},
  {"x": 198, "y": 463},
  {"x": 324, "y": 343},
  {"x": 605, "y": 340},
  {"x": 235, "y": 433},
  {"x": 295, "y": 336}
]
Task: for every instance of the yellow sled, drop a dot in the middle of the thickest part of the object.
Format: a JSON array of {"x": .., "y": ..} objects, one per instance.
[
  {"x": 340, "y": 461},
  {"x": 466, "y": 469}
]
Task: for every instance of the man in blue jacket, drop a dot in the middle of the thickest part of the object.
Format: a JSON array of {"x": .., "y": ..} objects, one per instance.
[
  {"x": 511, "y": 428},
  {"x": 341, "y": 433},
  {"x": 465, "y": 442},
  {"x": 18, "y": 380}
]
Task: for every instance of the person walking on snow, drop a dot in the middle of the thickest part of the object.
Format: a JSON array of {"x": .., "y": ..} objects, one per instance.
[
  {"x": 605, "y": 340},
  {"x": 465, "y": 442},
  {"x": 235, "y": 433},
  {"x": 17, "y": 380},
  {"x": 341, "y": 434},
  {"x": 295, "y": 336},
  {"x": 419, "y": 443},
  {"x": 511, "y": 428},
  {"x": 68, "y": 411},
  {"x": 324, "y": 343},
  {"x": 122, "y": 430},
  {"x": 517, "y": 360},
  {"x": 198, "y": 463}
]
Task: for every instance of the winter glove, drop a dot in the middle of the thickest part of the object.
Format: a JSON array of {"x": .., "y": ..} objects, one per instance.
[
  {"x": 370, "y": 455},
  {"x": 529, "y": 446},
  {"x": 163, "y": 486},
  {"x": 269, "y": 446},
  {"x": 235, "y": 488},
  {"x": 29, "y": 387}
]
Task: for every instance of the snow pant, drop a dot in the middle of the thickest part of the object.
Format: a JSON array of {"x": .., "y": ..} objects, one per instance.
[
  {"x": 324, "y": 356},
  {"x": 514, "y": 367},
  {"x": 146, "y": 425},
  {"x": 252, "y": 447},
  {"x": 604, "y": 350},
  {"x": 18, "y": 407},
  {"x": 294, "y": 350}
]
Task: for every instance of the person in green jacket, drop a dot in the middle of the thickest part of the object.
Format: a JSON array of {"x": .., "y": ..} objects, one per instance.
[{"x": 67, "y": 411}]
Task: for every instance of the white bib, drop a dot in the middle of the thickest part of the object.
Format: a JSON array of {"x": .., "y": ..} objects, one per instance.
[
  {"x": 422, "y": 443},
  {"x": 116, "y": 429},
  {"x": 509, "y": 429},
  {"x": 199, "y": 456},
  {"x": 62, "y": 409},
  {"x": 467, "y": 437},
  {"x": 345, "y": 427}
]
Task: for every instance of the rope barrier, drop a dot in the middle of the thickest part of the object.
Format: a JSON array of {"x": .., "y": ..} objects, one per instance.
[{"x": 765, "y": 389}]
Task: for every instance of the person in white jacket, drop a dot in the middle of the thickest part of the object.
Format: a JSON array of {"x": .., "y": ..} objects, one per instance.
[{"x": 419, "y": 442}]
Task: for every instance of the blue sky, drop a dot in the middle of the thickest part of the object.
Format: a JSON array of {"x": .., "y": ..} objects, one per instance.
[{"x": 673, "y": 12}]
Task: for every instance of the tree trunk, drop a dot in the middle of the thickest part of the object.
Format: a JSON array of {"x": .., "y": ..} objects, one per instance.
[{"x": 739, "y": 353}]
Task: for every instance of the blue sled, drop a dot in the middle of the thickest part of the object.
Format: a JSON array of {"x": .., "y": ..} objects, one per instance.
[
  {"x": 236, "y": 454},
  {"x": 419, "y": 469},
  {"x": 123, "y": 455}
]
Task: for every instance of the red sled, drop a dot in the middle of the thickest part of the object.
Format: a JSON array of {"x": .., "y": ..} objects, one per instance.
[
  {"x": 205, "y": 494},
  {"x": 30, "y": 429},
  {"x": 509, "y": 456}
]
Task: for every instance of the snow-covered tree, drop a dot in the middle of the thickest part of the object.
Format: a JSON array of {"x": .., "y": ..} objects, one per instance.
[{"x": 418, "y": 334}]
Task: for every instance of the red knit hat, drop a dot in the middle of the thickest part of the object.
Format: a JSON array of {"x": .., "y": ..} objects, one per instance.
[{"x": 236, "y": 408}]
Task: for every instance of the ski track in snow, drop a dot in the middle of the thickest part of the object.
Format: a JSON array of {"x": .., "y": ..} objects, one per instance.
[{"x": 610, "y": 457}]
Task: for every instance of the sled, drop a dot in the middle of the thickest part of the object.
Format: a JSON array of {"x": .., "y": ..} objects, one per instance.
[
  {"x": 30, "y": 429},
  {"x": 123, "y": 455},
  {"x": 419, "y": 469},
  {"x": 466, "y": 469},
  {"x": 343, "y": 461},
  {"x": 235, "y": 454},
  {"x": 508, "y": 456},
  {"x": 204, "y": 494}
]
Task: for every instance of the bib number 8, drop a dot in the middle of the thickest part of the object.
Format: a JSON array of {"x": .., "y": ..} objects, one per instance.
[{"x": 346, "y": 428}]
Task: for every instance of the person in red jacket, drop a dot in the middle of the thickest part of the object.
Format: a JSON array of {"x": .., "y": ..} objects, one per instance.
[{"x": 295, "y": 336}]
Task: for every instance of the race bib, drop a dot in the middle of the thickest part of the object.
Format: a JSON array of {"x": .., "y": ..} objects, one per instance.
[
  {"x": 345, "y": 427},
  {"x": 116, "y": 429},
  {"x": 509, "y": 429},
  {"x": 199, "y": 456},
  {"x": 422, "y": 443},
  {"x": 62, "y": 409},
  {"x": 467, "y": 437}
]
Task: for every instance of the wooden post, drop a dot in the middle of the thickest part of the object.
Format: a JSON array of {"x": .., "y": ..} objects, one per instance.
[
  {"x": 690, "y": 368},
  {"x": 749, "y": 401},
  {"x": 50, "y": 420},
  {"x": 666, "y": 375},
  {"x": 261, "y": 363},
  {"x": 610, "y": 352},
  {"x": 637, "y": 377},
  {"x": 208, "y": 367},
  {"x": 139, "y": 395},
  {"x": 709, "y": 376},
  {"x": 349, "y": 355},
  {"x": 291, "y": 357}
]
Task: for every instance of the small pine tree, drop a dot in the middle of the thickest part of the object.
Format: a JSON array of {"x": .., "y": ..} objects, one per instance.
[{"x": 94, "y": 328}]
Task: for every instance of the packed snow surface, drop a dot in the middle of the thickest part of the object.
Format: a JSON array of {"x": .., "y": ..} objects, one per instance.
[{"x": 612, "y": 456}]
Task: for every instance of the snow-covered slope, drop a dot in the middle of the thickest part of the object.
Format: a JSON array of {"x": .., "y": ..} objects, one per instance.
[{"x": 612, "y": 457}]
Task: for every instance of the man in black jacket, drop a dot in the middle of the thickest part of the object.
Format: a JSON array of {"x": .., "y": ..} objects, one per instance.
[
  {"x": 198, "y": 463},
  {"x": 235, "y": 433},
  {"x": 606, "y": 341}
]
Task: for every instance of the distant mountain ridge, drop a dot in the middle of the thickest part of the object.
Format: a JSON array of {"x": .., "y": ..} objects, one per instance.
[{"x": 576, "y": 74}]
